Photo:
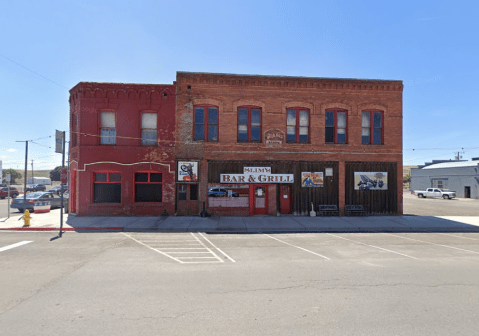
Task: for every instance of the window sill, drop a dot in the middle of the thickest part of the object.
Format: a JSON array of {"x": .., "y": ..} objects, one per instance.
[
  {"x": 106, "y": 205},
  {"x": 336, "y": 144}
]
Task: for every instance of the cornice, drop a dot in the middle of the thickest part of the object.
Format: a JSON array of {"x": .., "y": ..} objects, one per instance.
[{"x": 289, "y": 82}]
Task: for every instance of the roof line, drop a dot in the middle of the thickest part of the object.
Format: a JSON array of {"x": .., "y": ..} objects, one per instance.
[{"x": 289, "y": 77}]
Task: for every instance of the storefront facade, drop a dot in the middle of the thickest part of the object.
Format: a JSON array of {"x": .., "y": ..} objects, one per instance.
[
  {"x": 122, "y": 149},
  {"x": 263, "y": 145}
]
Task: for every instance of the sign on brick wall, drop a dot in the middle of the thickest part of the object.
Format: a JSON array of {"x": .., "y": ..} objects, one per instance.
[{"x": 274, "y": 138}]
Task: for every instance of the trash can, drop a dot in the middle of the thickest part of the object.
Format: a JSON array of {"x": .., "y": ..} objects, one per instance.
[{"x": 65, "y": 205}]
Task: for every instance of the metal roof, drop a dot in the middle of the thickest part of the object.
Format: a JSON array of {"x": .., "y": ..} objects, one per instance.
[{"x": 456, "y": 164}]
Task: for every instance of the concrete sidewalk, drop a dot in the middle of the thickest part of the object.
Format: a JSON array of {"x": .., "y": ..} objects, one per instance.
[{"x": 51, "y": 221}]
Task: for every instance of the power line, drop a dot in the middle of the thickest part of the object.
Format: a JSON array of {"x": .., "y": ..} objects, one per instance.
[{"x": 36, "y": 73}]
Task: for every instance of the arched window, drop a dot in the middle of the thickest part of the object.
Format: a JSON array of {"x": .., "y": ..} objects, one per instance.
[
  {"x": 206, "y": 123},
  {"x": 336, "y": 130},
  {"x": 249, "y": 124},
  {"x": 372, "y": 131},
  {"x": 297, "y": 125}
]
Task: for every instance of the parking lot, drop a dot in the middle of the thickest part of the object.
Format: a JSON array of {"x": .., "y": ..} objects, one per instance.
[
  {"x": 438, "y": 206},
  {"x": 154, "y": 283}
]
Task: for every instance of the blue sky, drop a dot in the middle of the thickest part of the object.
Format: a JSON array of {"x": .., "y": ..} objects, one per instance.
[{"x": 49, "y": 46}]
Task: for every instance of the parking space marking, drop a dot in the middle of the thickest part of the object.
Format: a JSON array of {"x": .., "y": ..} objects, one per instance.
[
  {"x": 422, "y": 241},
  {"x": 301, "y": 248},
  {"x": 15, "y": 245},
  {"x": 227, "y": 256},
  {"x": 180, "y": 249},
  {"x": 381, "y": 248},
  {"x": 446, "y": 234}
]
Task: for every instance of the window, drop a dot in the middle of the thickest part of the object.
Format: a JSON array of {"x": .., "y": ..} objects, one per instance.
[
  {"x": 74, "y": 135},
  {"x": 149, "y": 128},
  {"x": 297, "y": 125},
  {"x": 249, "y": 124},
  {"x": 148, "y": 187},
  {"x": 372, "y": 133},
  {"x": 206, "y": 123},
  {"x": 108, "y": 128},
  {"x": 106, "y": 187},
  {"x": 336, "y": 126}
]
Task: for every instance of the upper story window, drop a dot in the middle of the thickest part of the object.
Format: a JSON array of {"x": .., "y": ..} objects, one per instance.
[
  {"x": 249, "y": 124},
  {"x": 148, "y": 187},
  {"x": 372, "y": 128},
  {"x": 149, "y": 128},
  {"x": 297, "y": 125},
  {"x": 336, "y": 126},
  {"x": 74, "y": 134},
  {"x": 108, "y": 128},
  {"x": 106, "y": 187},
  {"x": 206, "y": 123}
]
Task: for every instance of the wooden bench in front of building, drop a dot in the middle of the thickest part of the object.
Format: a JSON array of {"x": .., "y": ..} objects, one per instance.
[
  {"x": 354, "y": 209},
  {"x": 328, "y": 209}
]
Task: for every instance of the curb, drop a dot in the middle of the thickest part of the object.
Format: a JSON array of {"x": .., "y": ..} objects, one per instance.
[{"x": 120, "y": 228}]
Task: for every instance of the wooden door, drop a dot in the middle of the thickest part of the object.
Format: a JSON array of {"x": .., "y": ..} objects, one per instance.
[{"x": 187, "y": 200}]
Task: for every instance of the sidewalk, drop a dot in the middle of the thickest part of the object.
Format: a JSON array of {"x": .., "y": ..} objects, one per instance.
[{"x": 51, "y": 221}]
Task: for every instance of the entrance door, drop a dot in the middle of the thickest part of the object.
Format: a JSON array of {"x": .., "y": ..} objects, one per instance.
[
  {"x": 467, "y": 192},
  {"x": 260, "y": 200},
  {"x": 187, "y": 200},
  {"x": 285, "y": 199}
]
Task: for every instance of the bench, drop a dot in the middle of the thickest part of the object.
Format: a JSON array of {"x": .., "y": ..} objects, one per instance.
[
  {"x": 354, "y": 209},
  {"x": 328, "y": 209}
]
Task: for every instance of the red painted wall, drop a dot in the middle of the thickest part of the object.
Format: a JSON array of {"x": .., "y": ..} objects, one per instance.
[{"x": 127, "y": 156}]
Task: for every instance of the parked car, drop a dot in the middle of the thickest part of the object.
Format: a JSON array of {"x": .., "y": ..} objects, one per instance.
[
  {"x": 36, "y": 197},
  {"x": 57, "y": 189},
  {"x": 435, "y": 192},
  {"x": 221, "y": 192},
  {"x": 41, "y": 187},
  {"x": 31, "y": 187},
  {"x": 4, "y": 192}
]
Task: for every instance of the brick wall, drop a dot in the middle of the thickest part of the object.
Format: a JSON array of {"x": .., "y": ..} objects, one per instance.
[{"x": 274, "y": 95}]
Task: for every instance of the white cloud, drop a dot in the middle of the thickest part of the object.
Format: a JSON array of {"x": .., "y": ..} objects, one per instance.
[{"x": 11, "y": 150}]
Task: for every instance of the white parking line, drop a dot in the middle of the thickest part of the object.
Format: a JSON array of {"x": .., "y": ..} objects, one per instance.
[
  {"x": 227, "y": 256},
  {"x": 166, "y": 255},
  {"x": 207, "y": 248},
  {"x": 15, "y": 245},
  {"x": 422, "y": 241},
  {"x": 381, "y": 248},
  {"x": 446, "y": 234},
  {"x": 297, "y": 247}
]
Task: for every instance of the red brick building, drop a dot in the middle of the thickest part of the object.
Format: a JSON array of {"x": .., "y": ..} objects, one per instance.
[
  {"x": 249, "y": 145},
  {"x": 122, "y": 149}
]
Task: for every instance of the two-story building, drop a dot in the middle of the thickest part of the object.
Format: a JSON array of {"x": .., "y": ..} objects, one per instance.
[
  {"x": 236, "y": 145},
  {"x": 248, "y": 144},
  {"x": 122, "y": 149}
]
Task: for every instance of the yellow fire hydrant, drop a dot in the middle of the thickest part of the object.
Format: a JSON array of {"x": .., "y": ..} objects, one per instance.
[{"x": 26, "y": 218}]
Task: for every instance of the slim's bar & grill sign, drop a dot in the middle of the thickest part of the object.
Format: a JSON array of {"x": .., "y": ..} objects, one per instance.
[{"x": 257, "y": 175}]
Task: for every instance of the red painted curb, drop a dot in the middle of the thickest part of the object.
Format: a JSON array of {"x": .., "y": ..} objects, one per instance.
[{"x": 119, "y": 228}]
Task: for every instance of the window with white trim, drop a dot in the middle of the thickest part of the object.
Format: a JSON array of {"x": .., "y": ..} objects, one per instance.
[
  {"x": 149, "y": 131},
  {"x": 108, "y": 128}
]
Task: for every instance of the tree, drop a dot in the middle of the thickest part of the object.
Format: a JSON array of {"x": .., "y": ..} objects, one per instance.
[
  {"x": 13, "y": 175},
  {"x": 55, "y": 173},
  {"x": 406, "y": 179}
]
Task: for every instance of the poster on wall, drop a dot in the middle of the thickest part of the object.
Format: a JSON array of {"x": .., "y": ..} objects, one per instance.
[
  {"x": 370, "y": 181},
  {"x": 187, "y": 171},
  {"x": 312, "y": 180}
]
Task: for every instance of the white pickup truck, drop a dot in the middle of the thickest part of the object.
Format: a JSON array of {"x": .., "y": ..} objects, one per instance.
[{"x": 434, "y": 192}]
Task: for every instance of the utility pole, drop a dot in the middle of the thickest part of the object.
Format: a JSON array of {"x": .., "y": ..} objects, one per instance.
[
  {"x": 25, "y": 177},
  {"x": 32, "y": 174}
]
